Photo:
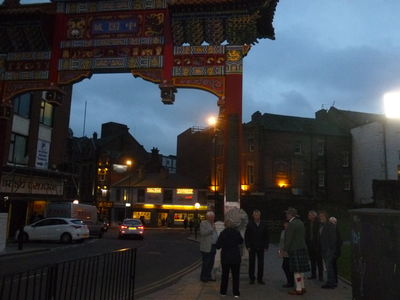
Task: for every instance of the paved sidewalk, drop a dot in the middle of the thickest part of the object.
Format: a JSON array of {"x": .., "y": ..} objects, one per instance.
[
  {"x": 190, "y": 287},
  {"x": 12, "y": 249}
]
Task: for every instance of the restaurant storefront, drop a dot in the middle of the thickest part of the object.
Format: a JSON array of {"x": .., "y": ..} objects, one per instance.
[
  {"x": 25, "y": 196},
  {"x": 167, "y": 214}
]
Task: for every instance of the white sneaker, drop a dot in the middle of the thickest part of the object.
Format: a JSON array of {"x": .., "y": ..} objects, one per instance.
[{"x": 236, "y": 296}]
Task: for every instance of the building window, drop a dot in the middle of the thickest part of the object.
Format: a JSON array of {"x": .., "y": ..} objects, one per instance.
[
  {"x": 321, "y": 178},
  {"x": 281, "y": 173},
  {"x": 22, "y": 105},
  {"x": 167, "y": 197},
  {"x": 321, "y": 149},
  {"x": 18, "y": 152},
  {"x": 250, "y": 145},
  {"x": 140, "y": 195},
  {"x": 46, "y": 113},
  {"x": 220, "y": 174},
  {"x": 345, "y": 158},
  {"x": 298, "y": 148},
  {"x": 347, "y": 184},
  {"x": 250, "y": 173}
]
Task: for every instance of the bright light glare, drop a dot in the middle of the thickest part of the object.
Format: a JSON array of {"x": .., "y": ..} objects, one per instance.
[
  {"x": 75, "y": 202},
  {"x": 212, "y": 121},
  {"x": 391, "y": 102},
  {"x": 197, "y": 205}
]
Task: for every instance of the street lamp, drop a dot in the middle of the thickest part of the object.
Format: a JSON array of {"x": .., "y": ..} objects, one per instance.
[
  {"x": 128, "y": 163},
  {"x": 127, "y": 205},
  {"x": 213, "y": 122},
  {"x": 391, "y": 102}
]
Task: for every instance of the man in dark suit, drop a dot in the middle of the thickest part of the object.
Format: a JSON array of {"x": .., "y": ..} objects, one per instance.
[
  {"x": 328, "y": 243},
  {"x": 312, "y": 242},
  {"x": 257, "y": 241}
]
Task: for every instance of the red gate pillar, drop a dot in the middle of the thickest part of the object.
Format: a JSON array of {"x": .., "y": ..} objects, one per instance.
[{"x": 232, "y": 138}]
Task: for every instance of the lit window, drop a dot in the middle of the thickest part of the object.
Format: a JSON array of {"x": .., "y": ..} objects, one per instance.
[
  {"x": 345, "y": 158},
  {"x": 18, "y": 151},
  {"x": 22, "y": 105},
  {"x": 321, "y": 178},
  {"x": 184, "y": 191},
  {"x": 153, "y": 190},
  {"x": 46, "y": 113}
]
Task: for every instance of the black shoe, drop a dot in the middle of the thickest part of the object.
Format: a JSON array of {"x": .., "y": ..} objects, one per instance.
[
  {"x": 251, "y": 281},
  {"x": 327, "y": 286},
  {"x": 312, "y": 277},
  {"x": 321, "y": 278},
  {"x": 288, "y": 285},
  {"x": 260, "y": 282},
  {"x": 211, "y": 279},
  {"x": 203, "y": 280}
]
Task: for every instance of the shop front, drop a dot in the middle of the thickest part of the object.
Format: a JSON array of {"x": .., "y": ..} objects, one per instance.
[
  {"x": 170, "y": 215},
  {"x": 25, "y": 197}
]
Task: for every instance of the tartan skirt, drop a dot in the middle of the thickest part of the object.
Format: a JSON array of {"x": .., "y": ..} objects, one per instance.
[{"x": 298, "y": 261}]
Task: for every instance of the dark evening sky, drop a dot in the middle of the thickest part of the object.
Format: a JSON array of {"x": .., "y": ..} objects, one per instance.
[{"x": 342, "y": 52}]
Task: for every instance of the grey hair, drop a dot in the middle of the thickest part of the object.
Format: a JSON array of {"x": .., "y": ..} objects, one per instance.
[
  {"x": 210, "y": 213},
  {"x": 313, "y": 213},
  {"x": 228, "y": 223}
]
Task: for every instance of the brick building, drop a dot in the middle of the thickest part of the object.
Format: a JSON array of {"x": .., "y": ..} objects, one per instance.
[
  {"x": 285, "y": 160},
  {"x": 294, "y": 161}
]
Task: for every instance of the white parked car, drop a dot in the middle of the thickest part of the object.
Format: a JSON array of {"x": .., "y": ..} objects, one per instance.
[{"x": 64, "y": 230}]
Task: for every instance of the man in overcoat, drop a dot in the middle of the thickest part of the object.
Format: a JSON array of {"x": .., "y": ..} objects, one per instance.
[
  {"x": 257, "y": 242},
  {"x": 296, "y": 248},
  {"x": 208, "y": 240},
  {"x": 313, "y": 247},
  {"x": 328, "y": 244}
]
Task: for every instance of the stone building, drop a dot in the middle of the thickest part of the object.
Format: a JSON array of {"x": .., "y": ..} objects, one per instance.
[{"x": 32, "y": 169}]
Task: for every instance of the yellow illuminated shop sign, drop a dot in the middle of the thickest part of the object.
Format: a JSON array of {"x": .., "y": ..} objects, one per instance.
[
  {"x": 184, "y": 191},
  {"x": 153, "y": 190}
]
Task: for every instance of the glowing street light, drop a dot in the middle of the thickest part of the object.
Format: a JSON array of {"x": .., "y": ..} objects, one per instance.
[
  {"x": 212, "y": 121},
  {"x": 75, "y": 202},
  {"x": 129, "y": 163},
  {"x": 391, "y": 102}
]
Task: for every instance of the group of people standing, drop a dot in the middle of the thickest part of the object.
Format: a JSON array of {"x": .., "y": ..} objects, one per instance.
[
  {"x": 230, "y": 241},
  {"x": 307, "y": 247},
  {"x": 301, "y": 245}
]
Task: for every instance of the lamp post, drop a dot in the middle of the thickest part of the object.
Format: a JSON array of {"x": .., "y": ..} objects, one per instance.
[
  {"x": 196, "y": 218},
  {"x": 129, "y": 199},
  {"x": 127, "y": 205},
  {"x": 213, "y": 122}
]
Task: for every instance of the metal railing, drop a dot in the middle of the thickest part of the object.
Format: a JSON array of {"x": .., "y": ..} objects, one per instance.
[{"x": 104, "y": 277}]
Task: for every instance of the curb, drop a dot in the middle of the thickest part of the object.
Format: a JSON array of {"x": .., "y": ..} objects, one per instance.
[
  {"x": 23, "y": 253},
  {"x": 345, "y": 280},
  {"x": 39, "y": 250},
  {"x": 154, "y": 286}
]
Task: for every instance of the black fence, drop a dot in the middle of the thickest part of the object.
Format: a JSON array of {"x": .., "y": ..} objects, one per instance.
[{"x": 108, "y": 276}]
